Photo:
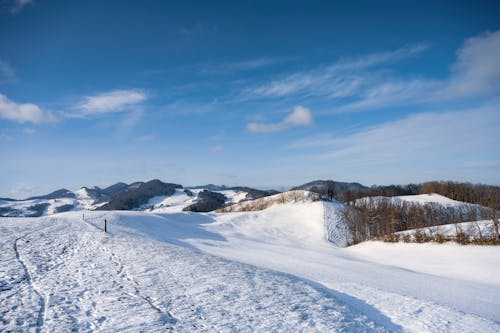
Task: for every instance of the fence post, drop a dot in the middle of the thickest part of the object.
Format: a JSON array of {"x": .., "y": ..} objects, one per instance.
[{"x": 105, "y": 225}]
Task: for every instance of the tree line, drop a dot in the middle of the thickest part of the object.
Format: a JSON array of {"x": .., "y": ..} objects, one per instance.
[{"x": 375, "y": 215}]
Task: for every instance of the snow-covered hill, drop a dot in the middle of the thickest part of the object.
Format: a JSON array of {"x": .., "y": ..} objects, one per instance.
[
  {"x": 472, "y": 230},
  {"x": 270, "y": 270},
  {"x": 294, "y": 196},
  {"x": 152, "y": 196},
  {"x": 430, "y": 198},
  {"x": 420, "y": 199}
]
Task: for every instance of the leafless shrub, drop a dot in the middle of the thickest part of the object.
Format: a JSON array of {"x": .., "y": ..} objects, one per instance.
[
  {"x": 419, "y": 236},
  {"x": 460, "y": 236},
  {"x": 439, "y": 237},
  {"x": 406, "y": 238},
  {"x": 391, "y": 238}
]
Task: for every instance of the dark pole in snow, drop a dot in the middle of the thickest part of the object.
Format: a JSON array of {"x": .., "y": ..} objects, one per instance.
[{"x": 105, "y": 225}]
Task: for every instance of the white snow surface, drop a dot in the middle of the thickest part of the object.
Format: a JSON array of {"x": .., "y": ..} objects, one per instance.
[
  {"x": 85, "y": 200},
  {"x": 421, "y": 199},
  {"x": 430, "y": 198},
  {"x": 52, "y": 204},
  {"x": 272, "y": 270},
  {"x": 473, "y": 229},
  {"x": 234, "y": 196},
  {"x": 173, "y": 203},
  {"x": 62, "y": 274}
]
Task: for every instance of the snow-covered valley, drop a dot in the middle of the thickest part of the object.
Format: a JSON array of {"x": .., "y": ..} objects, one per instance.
[{"x": 279, "y": 269}]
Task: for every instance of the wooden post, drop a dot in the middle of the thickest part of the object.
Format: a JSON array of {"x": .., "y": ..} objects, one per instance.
[{"x": 105, "y": 225}]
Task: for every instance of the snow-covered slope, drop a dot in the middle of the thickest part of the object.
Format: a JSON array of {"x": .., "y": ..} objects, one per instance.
[
  {"x": 37, "y": 207},
  {"x": 183, "y": 271},
  {"x": 430, "y": 198},
  {"x": 173, "y": 203},
  {"x": 472, "y": 230},
  {"x": 420, "y": 199},
  {"x": 295, "y": 196},
  {"x": 62, "y": 274}
]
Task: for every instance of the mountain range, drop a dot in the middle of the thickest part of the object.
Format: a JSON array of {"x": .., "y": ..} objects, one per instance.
[{"x": 138, "y": 196}]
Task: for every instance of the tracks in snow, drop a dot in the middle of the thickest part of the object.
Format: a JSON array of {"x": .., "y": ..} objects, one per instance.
[
  {"x": 122, "y": 272},
  {"x": 43, "y": 299},
  {"x": 125, "y": 276}
]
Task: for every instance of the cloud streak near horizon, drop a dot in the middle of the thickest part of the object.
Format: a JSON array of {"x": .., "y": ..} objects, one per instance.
[{"x": 418, "y": 137}]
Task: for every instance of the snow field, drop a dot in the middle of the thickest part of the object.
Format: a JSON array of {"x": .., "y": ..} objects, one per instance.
[
  {"x": 279, "y": 269},
  {"x": 69, "y": 275}
]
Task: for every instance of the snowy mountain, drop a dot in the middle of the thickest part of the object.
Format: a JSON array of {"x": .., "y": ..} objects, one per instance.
[
  {"x": 137, "y": 194},
  {"x": 153, "y": 195}
]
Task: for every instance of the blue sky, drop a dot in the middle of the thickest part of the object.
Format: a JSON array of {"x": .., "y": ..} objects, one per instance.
[{"x": 259, "y": 93}]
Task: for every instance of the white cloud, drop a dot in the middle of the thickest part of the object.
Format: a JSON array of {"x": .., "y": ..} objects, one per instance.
[
  {"x": 113, "y": 101},
  {"x": 408, "y": 92},
  {"x": 475, "y": 73},
  {"x": 365, "y": 84},
  {"x": 23, "y": 112},
  {"x": 300, "y": 116},
  {"x": 376, "y": 59},
  {"x": 477, "y": 69},
  {"x": 338, "y": 80},
  {"x": 18, "y": 5},
  {"x": 417, "y": 138}
]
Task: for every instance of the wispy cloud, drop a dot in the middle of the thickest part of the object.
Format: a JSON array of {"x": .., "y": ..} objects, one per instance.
[
  {"x": 477, "y": 69},
  {"x": 242, "y": 66},
  {"x": 301, "y": 116},
  {"x": 109, "y": 102},
  {"x": 394, "y": 92},
  {"x": 131, "y": 119},
  {"x": 7, "y": 73},
  {"x": 24, "y": 112},
  {"x": 369, "y": 83},
  {"x": 413, "y": 139},
  {"x": 18, "y": 5},
  {"x": 475, "y": 73},
  {"x": 336, "y": 80}
]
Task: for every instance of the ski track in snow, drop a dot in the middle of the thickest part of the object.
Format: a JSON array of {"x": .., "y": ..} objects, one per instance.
[
  {"x": 43, "y": 305},
  {"x": 121, "y": 272},
  {"x": 63, "y": 274}
]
